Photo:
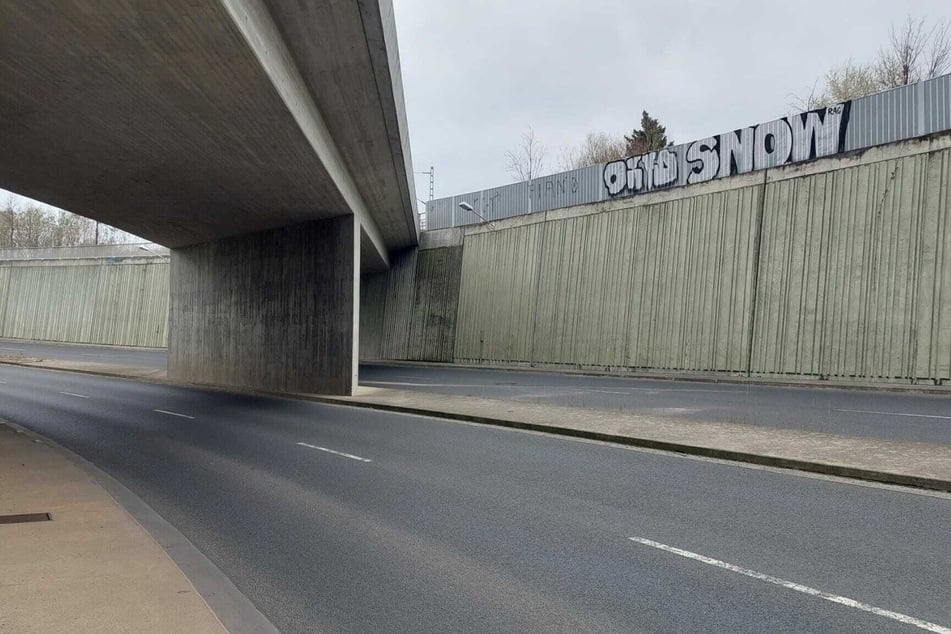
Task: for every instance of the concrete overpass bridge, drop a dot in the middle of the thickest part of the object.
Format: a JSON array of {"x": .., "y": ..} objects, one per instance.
[{"x": 263, "y": 141}]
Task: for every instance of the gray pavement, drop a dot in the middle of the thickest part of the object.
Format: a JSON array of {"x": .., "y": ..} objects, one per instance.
[
  {"x": 904, "y": 416},
  {"x": 387, "y": 522},
  {"x": 925, "y": 465}
]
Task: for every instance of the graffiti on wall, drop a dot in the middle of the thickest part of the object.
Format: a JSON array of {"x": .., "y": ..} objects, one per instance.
[{"x": 798, "y": 137}]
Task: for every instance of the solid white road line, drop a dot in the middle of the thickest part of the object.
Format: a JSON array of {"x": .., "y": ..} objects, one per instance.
[
  {"x": 72, "y": 394},
  {"x": 564, "y": 390},
  {"x": 852, "y": 603},
  {"x": 336, "y": 453},
  {"x": 162, "y": 411},
  {"x": 430, "y": 384},
  {"x": 630, "y": 391},
  {"x": 865, "y": 411},
  {"x": 12, "y": 349}
]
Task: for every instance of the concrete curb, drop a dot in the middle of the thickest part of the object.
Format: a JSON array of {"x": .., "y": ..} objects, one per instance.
[
  {"x": 75, "y": 344},
  {"x": 760, "y": 381},
  {"x": 856, "y": 473},
  {"x": 149, "y": 376},
  {"x": 234, "y": 610}
]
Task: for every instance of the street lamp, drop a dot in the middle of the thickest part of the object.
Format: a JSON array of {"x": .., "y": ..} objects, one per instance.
[{"x": 467, "y": 207}]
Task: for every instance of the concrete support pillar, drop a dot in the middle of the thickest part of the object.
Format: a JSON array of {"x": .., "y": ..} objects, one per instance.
[{"x": 276, "y": 310}]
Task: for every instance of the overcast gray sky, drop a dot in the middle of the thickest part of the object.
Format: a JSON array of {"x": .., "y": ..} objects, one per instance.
[{"x": 477, "y": 74}]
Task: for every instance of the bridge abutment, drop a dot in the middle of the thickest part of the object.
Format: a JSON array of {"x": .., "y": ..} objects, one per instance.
[{"x": 274, "y": 310}]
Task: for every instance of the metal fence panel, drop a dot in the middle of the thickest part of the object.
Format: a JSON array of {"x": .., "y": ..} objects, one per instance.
[
  {"x": 935, "y": 97},
  {"x": 566, "y": 189},
  {"x": 506, "y": 201},
  {"x": 892, "y": 115},
  {"x": 883, "y": 118}
]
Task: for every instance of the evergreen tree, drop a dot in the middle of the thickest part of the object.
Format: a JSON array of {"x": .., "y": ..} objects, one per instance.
[{"x": 650, "y": 137}]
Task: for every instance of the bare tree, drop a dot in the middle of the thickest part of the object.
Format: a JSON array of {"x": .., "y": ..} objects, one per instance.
[
  {"x": 597, "y": 147},
  {"x": 526, "y": 162},
  {"x": 840, "y": 83},
  {"x": 914, "y": 53},
  {"x": 9, "y": 215},
  {"x": 25, "y": 224},
  {"x": 939, "y": 55}
]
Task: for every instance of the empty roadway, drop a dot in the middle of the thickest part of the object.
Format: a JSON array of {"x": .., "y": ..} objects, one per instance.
[
  {"x": 137, "y": 357},
  {"x": 877, "y": 414},
  {"x": 343, "y": 519}
]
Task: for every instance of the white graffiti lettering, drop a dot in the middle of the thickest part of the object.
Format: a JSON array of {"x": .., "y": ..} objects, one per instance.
[
  {"x": 736, "y": 152},
  {"x": 814, "y": 135},
  {"x": 798, "y": 137},
  {"x": 665, "y": 168},
  {"x": 773, "y": 144},
  {"x": 703, "y": 154},
  {"x": 615, "y": 177}
]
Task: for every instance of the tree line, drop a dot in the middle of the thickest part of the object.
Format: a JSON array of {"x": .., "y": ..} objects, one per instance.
[
  {"x": 914, "y": 51},
  {"x": 24, "y": 224}
]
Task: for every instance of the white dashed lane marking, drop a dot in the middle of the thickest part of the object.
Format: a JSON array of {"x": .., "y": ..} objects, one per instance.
[
  {"x": 74, "y": 394},
  {"x": 162, "y": 411},
  {"x": 336, "y": 453},
  {"x": 798, "y": 587},
  {"x": 868, "y": 411}
]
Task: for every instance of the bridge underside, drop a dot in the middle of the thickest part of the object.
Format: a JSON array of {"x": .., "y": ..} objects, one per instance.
[{"x": 228, "y": 130}]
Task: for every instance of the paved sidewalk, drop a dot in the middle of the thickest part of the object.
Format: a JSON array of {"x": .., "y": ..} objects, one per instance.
[
  {"x": 906, "y": 463},
  {"x": 92, "y": 568}
]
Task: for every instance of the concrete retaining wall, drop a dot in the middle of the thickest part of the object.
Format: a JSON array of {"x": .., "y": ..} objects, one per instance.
[
  {"x": 855, "y": 275},
  {"x": 663, "y": 286},
  {"x": 409, "y": 312},
  {"x": 114, "y": 301},
  {"x": 839, "y": 267},
  {"x": 836, "y": 268}
]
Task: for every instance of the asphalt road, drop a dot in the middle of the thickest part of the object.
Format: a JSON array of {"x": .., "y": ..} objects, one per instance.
[
  {"x": 907, "y": 416},
  {"x": 887, "y": 415},
  {"x": 433, "y": 526}
]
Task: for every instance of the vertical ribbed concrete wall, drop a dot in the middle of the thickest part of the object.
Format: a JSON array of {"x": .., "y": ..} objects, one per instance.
[
  {"x": 839, "y": 267},
  {"x": 409, "y": 312},
  {"x": 112, "y": 301},
  {"x": 433, "y": 326},
  {"x": 855, "y": 278},
  {"x": 661, "y": 285}
]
